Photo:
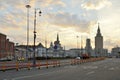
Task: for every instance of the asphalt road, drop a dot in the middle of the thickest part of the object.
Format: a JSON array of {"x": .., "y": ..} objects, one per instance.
[{"x": 108, "y": 69}]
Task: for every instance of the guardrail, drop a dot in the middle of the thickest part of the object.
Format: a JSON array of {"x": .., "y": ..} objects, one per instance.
[{"x": 54, "y": 63}]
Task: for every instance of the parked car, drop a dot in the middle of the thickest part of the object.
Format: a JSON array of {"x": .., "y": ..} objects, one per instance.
[
  {"x": 21, "y": 59},
  {"x": 77, "y": 58}
]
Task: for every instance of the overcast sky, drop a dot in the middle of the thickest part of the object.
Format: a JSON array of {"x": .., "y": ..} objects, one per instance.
[{"x": 69, "y": 18}]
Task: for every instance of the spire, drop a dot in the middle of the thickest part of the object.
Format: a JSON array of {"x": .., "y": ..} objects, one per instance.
[
  {"x": 51, "y": 45},
  {"x": 98, "y": 28},
  {"x": 57, "y": 37},
  {"x": 98, "y": 31}
]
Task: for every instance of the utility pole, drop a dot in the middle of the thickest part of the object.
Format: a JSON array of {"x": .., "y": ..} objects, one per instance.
[
  {"x": 46, "y": 47},
  {"x": 28, "y": 7},
  {"x": 34, "y": 47},
  {"x": 77, "y": 46},
  {"x": 77, "y": 41},
  {"x": 81, "y": 46}
]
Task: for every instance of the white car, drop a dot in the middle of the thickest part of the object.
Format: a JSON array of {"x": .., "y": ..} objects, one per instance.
[{"x": 77, "y": 58}]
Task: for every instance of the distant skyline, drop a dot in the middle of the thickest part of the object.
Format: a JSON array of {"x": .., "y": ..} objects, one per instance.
[{"x": 69, "y": 18}]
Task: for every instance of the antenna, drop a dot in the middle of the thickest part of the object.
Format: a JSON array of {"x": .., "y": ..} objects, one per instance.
[{"x": 81, "y": 43}]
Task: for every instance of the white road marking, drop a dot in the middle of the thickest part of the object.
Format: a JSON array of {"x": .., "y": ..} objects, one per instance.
[
  {"x": 111, "y": 68},
  {"x": 90, "y": 72},
  {"x": 71, "y": 67},
  {"x": 30, "y": 76},
  {"x": 105, "y": 66},
  {"x": 90, "y": 67}
]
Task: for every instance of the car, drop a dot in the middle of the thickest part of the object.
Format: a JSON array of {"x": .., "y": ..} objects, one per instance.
[
  {"x": 77, "y": 58},
  {"x": 21, "y": 59},
  {"x": 5, "y": 59}
]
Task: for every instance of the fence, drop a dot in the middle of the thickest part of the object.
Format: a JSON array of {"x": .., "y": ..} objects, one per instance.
[{"x": 40, "y": 64}]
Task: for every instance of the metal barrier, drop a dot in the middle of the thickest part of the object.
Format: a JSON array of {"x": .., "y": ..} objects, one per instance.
[{"x": 54, "y": 63}]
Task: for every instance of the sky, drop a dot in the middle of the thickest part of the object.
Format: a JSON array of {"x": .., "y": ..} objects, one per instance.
[{"x": 69, "y": 18}]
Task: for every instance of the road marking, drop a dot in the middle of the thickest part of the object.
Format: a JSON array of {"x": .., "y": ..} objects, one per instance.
[
  {"x": 71, "y": 67},
  {"x": 112, "y": 69},
  {"x": 90, "y": 67},
  {"x": 90, "y": 72},
  {"x": 30, "y": 76}
]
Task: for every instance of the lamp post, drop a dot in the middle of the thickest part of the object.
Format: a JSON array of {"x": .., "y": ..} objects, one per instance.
[
  {"x": 77, "y": 46},
  {"x": 34, "y": 47},
  {"x": 77, "y": 41},
  {"x": 81, "y": 53},
  {"x": 27, "y": 6},
  {"x": 46, "y": 47}
]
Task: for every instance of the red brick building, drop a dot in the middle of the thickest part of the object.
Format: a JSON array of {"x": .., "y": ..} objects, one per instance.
[{"x": 6, "y": 47}]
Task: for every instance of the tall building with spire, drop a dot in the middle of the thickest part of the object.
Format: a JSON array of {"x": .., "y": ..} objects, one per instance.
[
  {"x": 98, "y": 43},
  {"x": 57, "y": 45}
]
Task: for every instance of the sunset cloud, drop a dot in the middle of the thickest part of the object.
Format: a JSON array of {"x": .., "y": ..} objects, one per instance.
[
  {"x": 67, "y": 20},
  {"x": 95, "y": 4},
  {"x": 68, "y": 17}
]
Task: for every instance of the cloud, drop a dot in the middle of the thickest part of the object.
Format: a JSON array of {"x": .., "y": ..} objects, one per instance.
[
  {"x": 95, "y": 4},
  {"x": 48, "y": 3},
  {"x": 67, "y": 20},
  {"x": 34, "y": 3},
  {"x": 12, "y": 19},
  {"x": 110, "y": 43},
  {"x": 60, "y": 15}
]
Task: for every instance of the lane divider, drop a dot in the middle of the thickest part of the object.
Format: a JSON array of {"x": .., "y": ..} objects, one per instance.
[
  {"x": 47, "y": 64},
  {"x": 28, "y": 65},
  {"x": 17, "y": 66},
  {"x": 54, "y": 63},
  {"x": 4, "y": 67},
  {"x": 39, "y": 65}
]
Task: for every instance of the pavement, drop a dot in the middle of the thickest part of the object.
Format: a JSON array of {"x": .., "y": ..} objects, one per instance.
[{"x": 108, "y": 69}]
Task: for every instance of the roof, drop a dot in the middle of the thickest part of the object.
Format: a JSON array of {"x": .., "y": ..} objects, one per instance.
[{"x": 40, "y": 45}]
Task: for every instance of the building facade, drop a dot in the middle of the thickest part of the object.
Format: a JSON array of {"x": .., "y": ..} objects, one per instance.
[
  {"x": 55, "y": 50},
  {"x": 57, "y": 44},
  {"x": 88, "y": 47},
  {"x": 6, "y": 47},
  {"x": 41, "y": 50},
  {"x": 20, "y": 51},
  {"x": 98, "y": 43},
  {"x": 115, "y": 51},
  {"x": 58, "y": 49}
]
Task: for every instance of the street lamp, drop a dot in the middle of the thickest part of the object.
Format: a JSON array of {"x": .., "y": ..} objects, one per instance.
[
  {"x": 46, "y": 47},
  {"x": 77, "y": 41},
  {"x": 77, "y": 50},
  {"x": 81, "y": 46},
  {"x": 27, "y": 6},
  {"x": 34, "y": 47}
]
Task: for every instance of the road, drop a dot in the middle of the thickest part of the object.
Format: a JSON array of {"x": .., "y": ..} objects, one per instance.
[{"x": 108, "y": 69}]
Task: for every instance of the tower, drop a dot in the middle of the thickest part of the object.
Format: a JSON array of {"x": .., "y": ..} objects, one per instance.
[
  {"x": 57, "y": 44},
  {"x": 98, "y": 42},
  {"x": 57, "y": 41},
  {"x": 88, "y": 47}
]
